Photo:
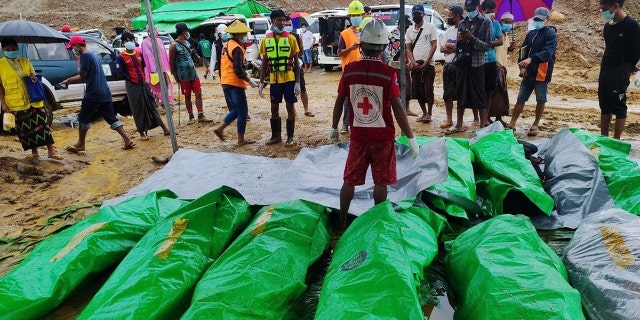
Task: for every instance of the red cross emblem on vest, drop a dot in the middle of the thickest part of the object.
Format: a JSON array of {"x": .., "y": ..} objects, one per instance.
[{"x": 365, "y": 105}]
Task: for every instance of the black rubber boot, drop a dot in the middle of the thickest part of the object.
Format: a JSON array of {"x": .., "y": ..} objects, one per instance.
[
  {"x": 291, "y": 125},
  {"x": 276, "y": 131}
]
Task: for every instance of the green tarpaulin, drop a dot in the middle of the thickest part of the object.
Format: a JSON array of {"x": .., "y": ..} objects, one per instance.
[
  {"x": 620, "y": 172},
  {"x": 194, "y": 13},
  {"x": 156, "y": 279},
  {"x": 59, "y": 264},
  {"x": 263, "y": 271},
  {"x": 155, "y": 4},
  {"x": 505, "y": 179},
  {"x": 501, "y": 269},
  {"x": 378, "y": 264}
]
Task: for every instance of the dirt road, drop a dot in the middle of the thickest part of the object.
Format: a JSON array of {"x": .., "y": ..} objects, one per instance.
[{"x": 40, "y": 197}]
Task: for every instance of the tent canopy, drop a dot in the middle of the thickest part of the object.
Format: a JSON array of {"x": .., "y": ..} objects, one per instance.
[{"x": 194, "y": 13}]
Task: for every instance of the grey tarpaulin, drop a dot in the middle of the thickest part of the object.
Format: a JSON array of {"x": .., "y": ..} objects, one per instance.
[
  {"x": 574, "y": 181},
  {"x": 602, "y": 263},
  {"x": 315, "y": 175}
]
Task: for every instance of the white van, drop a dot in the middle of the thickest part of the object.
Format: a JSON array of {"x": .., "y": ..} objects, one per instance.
[
  {"x": 333, "y": 21},
  {"x": 259, "y": 26}
]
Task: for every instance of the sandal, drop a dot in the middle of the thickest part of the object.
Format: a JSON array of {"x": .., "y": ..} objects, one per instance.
[
  {"x": 129, "y": 145},
  {"x": 446, "y": 125},
  {"x": 56, "y": 156},
  {"x": 73, "y": 149},
  {"x": 420, "y": 119},
  {"x": 245, "y": 142},
  {"x": 453, "y": 130},
  {"x": 309, "y": 114},
  {"x": 532, "y": 132},
  {"x": 507, "y": 127},
  {"x": 144, "y": 138},
  {"x": 219, "y": 135}
]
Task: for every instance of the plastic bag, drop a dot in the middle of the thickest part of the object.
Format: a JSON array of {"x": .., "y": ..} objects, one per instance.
[
  {"x": 602, "y": 264},
  {"x": 8, "y": 121}
]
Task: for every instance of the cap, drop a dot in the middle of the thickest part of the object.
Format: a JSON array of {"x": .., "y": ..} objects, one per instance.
[
  {"x": 277, "y": 13},
  {"x": 75, "y": 40},
  {"x": 457, "y": 10},
  {"x": 471, "y": 4},
  {"x": 238, "y": 27},
  {"x": 201, "y": 35},
  {"x": 541, "y": 13},
  {"x": 65, "y": 28},
  {"x": 181, "y": 27},
  {"x": 418, "y": 8},
  {"x": 507, "y": 15},
  {"x": 604, "y": 3},
  {"x": 221, "y": 28},
  {"x": 374, "y": 35}
]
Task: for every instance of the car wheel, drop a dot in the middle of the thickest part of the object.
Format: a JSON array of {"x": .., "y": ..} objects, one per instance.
[
  {"x": 48, "y": 110},
  {"x": 328, "y": 67}
]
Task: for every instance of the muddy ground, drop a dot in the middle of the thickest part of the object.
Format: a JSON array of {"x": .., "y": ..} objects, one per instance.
[{"x": 39, "y": 197}]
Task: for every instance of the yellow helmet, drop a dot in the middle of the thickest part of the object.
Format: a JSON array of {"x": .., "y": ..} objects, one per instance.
[
  {"x": 355, "y": 8},
  {"x": 365, "y": 20}
]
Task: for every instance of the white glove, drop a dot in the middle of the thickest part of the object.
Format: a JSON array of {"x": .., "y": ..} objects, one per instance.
[
  {"x": 252, "y": 83},
  {"x": 260, "y": 87},
  {"x": 334, "y": 136},
  {"x": 415, "y": 149},
  {"x": 296, "y": 89}
]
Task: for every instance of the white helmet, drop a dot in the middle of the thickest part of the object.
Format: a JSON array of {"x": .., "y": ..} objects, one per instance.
[{"x": 374, "y": 34}]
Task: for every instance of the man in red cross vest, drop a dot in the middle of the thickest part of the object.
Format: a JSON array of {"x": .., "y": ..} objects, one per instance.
[{"x": 372, "y": 91}]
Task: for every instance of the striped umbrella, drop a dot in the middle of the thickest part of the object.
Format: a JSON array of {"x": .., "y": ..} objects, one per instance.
[{"x": 522, "y": 10}]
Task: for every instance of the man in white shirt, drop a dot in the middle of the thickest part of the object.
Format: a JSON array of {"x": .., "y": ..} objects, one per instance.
[
  {"x": 448, "y": 47},
  {"x": 308, "y": 41},
  {"x": 421, "y": 42}
]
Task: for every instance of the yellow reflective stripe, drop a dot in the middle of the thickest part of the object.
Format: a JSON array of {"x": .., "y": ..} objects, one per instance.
[
  {"x": 618, "y": 250},
  {"x": 261, "y": 223},
  {"x": 77, "y": 239},
  {"x": 176, "y": 230}
]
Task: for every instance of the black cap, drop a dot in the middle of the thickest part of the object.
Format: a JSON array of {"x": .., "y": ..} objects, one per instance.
[
  {"x": 471, "y": 4},
  {"x": 457, "y": 10},
  {"x": 181, "y": 27},
  {"x": 277, "y": 13}
]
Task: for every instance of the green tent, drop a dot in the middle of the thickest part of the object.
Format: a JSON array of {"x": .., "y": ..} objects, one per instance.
[
  {"x": 194, "y": 13},
  {"x": 155, "y": 4}
]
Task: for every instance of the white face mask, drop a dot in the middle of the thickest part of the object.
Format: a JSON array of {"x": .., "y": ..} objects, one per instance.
[
  {"x": 490, "y": 15},
  {"x": 303, "y": 29}
]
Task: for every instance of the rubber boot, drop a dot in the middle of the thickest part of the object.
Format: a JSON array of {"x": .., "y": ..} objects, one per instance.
[
  {"x": 276, "y": 131},
  {"x": 291, "y": 124}
]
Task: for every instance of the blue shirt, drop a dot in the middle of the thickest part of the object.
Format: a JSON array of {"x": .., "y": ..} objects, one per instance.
[
  {"x": 496, "y": 32},
  {"x": 96, "y": 82}
]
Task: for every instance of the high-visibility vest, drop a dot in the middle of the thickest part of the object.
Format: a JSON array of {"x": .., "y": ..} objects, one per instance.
[
  {"x": 15, "y": 91},
  {"x": 226, "y": 64},
  {"x": 279, "y": 52}
]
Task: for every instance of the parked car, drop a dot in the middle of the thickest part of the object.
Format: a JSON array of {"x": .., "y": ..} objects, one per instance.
[
  {"x": 55, "y": 63},
  {"x": 332, "y": 22},
  {"x": 260, "y": 26},
  {"x": 96, "y": 33}
]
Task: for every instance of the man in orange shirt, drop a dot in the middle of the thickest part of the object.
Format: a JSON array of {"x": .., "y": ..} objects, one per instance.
[{"x": 349, "y": 47}]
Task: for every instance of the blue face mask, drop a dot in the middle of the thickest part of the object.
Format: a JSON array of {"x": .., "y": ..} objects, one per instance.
[
  {"x": 472, "y": 15},
  {"x": 130, "y": 45},
  {"x": 226, "y": 36},
  {"x": 506, "y": 27},
  {"x": 277, "y": 30},
  {"x": 288, "y": 28},
  {"x": 538, "y": 24},
  {"x": 607, "y": 15},
  {"x": 244, "y": 39},
  {"x": 356, "y": 21},
  {"x": 11, "y": 54}
]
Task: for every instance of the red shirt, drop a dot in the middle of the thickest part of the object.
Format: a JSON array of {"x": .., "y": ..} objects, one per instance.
[
  {"x": 131, "y": 65},
  {"x": 369, "y": 86}
]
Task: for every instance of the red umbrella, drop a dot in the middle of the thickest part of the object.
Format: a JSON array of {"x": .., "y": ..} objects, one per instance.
[{"x": 522, "y": 10}]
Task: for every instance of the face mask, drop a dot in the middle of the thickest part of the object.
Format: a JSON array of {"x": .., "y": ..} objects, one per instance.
[
  {"x": 417, "y": 19},
  {"x": 451, "y": 21},
  {"x": 303, "y": 29},
  {"x": 355, "y": 21},
  {"x": 472, "y": 15},
  {"x": 226, "y": 36},
  {"x": 490, "y": 15},
  {"x": 288, "y": 28},
  {"x": 244, "y": 39},
  {"x": 129, "y": 45},
  {"x": 188, "y": 36},
  {"x": 538, "y": 25},
  {"x": 506, "y": 27},
  {"x": 607, "y": 15},
  {"x": 75, "y": 52},
  {"x": 11, "y": 54},
  {"x": 277, "y": 30}
]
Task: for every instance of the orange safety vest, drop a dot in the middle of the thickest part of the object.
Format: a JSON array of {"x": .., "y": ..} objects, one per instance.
[
  {"x": 226, "y": 64},
  {"x": 349, "y": 37}
]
